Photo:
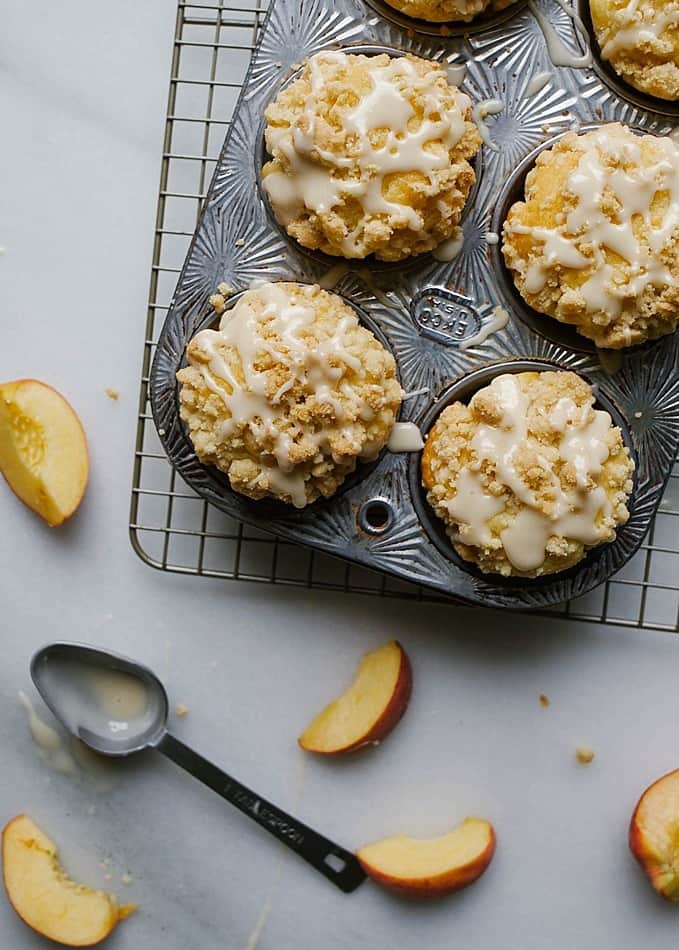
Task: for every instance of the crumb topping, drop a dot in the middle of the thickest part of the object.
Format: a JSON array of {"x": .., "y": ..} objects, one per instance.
[
  {"x": 369, "y": 155},
  {"x": 528, "y": 476},
  {"x": 289, "y": 393},
  {"x": 596, "y": 241}
]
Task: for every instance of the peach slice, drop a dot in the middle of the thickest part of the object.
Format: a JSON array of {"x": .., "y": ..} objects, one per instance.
[
  {"x": 431, "y": 867},
  {"x": 45, "y": 898},
  {"x": 369, "y": 709},
  {"x": 654, "y": 835},
  {"x": 43, "y": 451}
]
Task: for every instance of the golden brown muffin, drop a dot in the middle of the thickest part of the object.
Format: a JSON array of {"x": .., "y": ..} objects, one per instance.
[
  {"x": 370, "y": 155},
  {"x": 447, "y": 11},
  {"x": 529, "y": 476},
  {"x": 288, "y": 394},
  {"x": 640, "y": 39},
  {"x": 596, "y": 242}
]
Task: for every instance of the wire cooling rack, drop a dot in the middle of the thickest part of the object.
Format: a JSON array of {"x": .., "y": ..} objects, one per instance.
[{"x": 171, "y": 527}]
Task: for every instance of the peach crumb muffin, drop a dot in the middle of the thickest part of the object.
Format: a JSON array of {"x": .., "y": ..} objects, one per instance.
[
  {"x": 640, "y": 39},
  {"x": 441, "y": 11},
  {"x": 529, "y": 476},
  {"x": 288, "y": 394},
  {"x": 596, "y": 242},
  {"x": 370, "y": 155}
]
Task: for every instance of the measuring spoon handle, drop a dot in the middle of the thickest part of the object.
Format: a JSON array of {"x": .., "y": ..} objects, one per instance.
[{"x": 339, "y": 866}]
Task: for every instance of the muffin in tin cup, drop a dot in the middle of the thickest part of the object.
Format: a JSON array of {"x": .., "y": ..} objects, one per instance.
[
  {"x": 639, "y": 41},
  {"x": 447, "y": 18},
  {"x": 525, "y": 473},
  {"x": 593, "y": 241},
  {"x": 288, "y": 394},
  {"x": 369, "y": 156}
]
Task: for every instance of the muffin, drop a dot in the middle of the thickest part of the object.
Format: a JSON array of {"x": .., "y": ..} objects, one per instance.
[
  {"x": 640, "y": 39},
  {"x": 529, "y": 476},
  {"x": 370, "y": 156},
  {"x": 441, "y": 11},
  {"x": 595, "y": 243},
  {"x": 289, "y": 394}
]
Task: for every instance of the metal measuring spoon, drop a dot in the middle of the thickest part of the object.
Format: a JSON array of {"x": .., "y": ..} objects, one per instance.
[{"x": 118, "y": 707}]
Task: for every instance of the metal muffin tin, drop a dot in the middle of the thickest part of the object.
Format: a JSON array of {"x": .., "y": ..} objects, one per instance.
[{"x": 424, "y": 310}]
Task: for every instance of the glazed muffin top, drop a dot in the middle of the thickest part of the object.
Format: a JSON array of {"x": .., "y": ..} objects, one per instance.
[
  {"x": 529, "y": 475},
  {"x": 640, "y": 39},
  {"x": 288, "y": 393},
  {"x": 596, "y": 241},
  {"x": 369, "y": 155},
  {"x": 442, "y": 11}
]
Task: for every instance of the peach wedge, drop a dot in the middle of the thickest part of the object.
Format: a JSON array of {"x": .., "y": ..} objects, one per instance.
[
  {"x": 431, "y": 867},
  {"x": 370, "y": 707},
  {"x": 43, "y": 451},
  {"x": 45, "y": 898},
  {"x": 654, "y": 835}
]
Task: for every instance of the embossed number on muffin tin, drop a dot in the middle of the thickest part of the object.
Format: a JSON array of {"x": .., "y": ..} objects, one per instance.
[{"x": 424, "y": 310}]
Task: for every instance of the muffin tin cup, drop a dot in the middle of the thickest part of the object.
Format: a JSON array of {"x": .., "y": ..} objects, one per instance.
[
  {"x": 427, "y": 312},
  {"x": 462, "y": 391},
  {"x": 321, "y": 258},
  {"x": 550, "y": 328},
  {"x": 362, "y": 470},
  {"x": 607, "y": 73},
  {"x": 447, "y": 28}
]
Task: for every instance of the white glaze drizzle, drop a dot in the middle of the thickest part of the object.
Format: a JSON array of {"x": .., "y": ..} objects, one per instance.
[
  {"x": 538, "y": 83},
  {"x": 499, "y": 319},
  {"x": 448, "y": 250},
  {"x": 482, "y": 109},
  {"x": 633, "y": 27},
  {"x": 573, "y": 514},
  {"x": 308, "y": 184},
  {"x": 588, "y": 226},
  {"x": 405, "y": 437},
  {"x": 48, "y": 741},
  {"x": 559, "y": 54},
  {"x": 247, "y": 401},
  {"x": 456, "y": 73},
  {"x": 416, "y": 392}
]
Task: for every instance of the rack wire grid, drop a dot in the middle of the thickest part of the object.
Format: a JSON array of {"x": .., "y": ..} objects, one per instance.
[{"x": 171, "y": 527}]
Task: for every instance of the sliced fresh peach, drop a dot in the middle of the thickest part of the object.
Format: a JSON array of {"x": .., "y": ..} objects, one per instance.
[
  {"x": 369, "y": 709},
  {"x": 45, "y": 898},
  {"x": 431, "y": 867},
  {"x": 654, "y": 835},
  {"x": 43, "y": 450}
]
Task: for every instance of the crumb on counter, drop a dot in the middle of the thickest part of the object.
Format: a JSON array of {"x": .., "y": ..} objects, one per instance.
[
  {"x": 126, "y": 879},
  {"x": 240, "y": 242},
  {"x": 544, "y": 699},
  {"x": 112, "y": 393},
  {"x": 181, "y": 709},
  {"x": 584, "y": 755}
]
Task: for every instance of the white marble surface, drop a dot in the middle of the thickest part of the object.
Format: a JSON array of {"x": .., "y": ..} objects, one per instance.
[{"x": 82, "y": 100}]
